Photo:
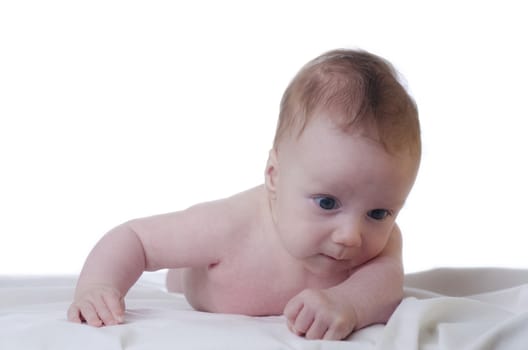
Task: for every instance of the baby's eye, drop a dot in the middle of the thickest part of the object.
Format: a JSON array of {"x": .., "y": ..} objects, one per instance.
[
  {"x": 378, "y": 214},
  {"x": 326, "y": 203}
]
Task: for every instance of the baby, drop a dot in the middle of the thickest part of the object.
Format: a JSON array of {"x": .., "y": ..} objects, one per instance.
[{"x": 317, "y": 242}]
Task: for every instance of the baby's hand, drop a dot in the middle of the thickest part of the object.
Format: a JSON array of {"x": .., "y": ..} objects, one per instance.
[
  {"x": 314, "y": 314},
  {"x": 98, "y": 306}
]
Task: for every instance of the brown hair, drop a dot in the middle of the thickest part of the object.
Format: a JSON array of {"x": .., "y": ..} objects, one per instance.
[{"x": 358, "y": 88}]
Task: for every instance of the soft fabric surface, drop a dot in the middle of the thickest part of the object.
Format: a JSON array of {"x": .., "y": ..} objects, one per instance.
[{"x": 443, "y": 309}]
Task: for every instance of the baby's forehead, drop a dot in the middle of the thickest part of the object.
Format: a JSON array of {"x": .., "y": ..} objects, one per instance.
[
  {"x": 323, "y": 133},
  {"x": 368, "y": 173},
  {"x": 324, "y": 143},
  {"x": 395, "y": 142},
  {"x": 329, "y": 124}
]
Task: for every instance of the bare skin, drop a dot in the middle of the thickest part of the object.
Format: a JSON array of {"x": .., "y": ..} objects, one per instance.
[
  {"x": 240, "y": 283},
  {"x": 320, "y": 247}
]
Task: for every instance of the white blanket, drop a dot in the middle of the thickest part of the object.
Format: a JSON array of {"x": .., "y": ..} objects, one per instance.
[{"x": 443, "y": 309}]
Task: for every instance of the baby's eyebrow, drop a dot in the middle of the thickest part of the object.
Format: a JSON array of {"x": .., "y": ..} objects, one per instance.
[{"x": 394, "y": 206}]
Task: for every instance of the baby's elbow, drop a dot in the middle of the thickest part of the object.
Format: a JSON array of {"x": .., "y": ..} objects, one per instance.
[
  {"x": 398, "y": 280},
  {"x": 389, "y": 310},
  {"x": 133, "y": 243},
  {"x": 397, "y": 293}
]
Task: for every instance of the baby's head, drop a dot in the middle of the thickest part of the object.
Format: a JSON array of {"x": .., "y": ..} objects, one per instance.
[
  {"x": 358, "y": 90},
  {"x": 344, "y": 159}
]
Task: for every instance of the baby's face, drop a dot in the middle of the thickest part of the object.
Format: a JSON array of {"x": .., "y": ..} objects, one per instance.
[{"x": 337, "y": 196}]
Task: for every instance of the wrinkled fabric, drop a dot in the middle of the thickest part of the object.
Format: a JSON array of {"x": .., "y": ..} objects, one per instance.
[{"x": 443, "y": 309}]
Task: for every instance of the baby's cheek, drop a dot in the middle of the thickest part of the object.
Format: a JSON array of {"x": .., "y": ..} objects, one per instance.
[{"x": 374, "y": 247}]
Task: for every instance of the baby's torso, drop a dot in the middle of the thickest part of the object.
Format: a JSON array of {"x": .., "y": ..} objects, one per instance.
[
  {"x": 252, "y": 286},
  {"x": 254, "y": 278},
  {"x": 230, "y": 287}
]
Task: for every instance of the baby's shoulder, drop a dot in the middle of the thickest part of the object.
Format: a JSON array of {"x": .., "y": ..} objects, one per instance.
[
  {"x": 232, "y": 215},
  {"x": 246, "y": 203}
]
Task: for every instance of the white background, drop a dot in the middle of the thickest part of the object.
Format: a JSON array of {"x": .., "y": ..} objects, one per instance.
[{"x": 115, "y": 110}]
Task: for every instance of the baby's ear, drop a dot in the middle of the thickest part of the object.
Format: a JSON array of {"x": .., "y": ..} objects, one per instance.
[{"x": 272, "y": 173}]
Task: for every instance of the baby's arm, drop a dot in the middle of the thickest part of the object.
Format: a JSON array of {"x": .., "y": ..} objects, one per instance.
[
  {"x": 370, "y": 295},
  {"x": 112, "y": 267},
  {"x": 121, "y": 256}
]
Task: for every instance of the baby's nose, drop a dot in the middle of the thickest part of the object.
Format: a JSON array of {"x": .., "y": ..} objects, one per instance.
[{"x": 348, "y": 235}]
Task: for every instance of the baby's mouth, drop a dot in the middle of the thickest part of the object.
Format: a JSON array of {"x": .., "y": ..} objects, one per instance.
[
  {"x": 342, "y": 257},
  {"x": 331, "y": 257}
]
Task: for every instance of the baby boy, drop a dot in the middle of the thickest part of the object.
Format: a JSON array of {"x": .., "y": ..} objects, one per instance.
[{"x": 317, "y": 242}]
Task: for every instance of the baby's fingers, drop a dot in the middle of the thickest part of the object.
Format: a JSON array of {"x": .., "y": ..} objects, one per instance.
[
  {"x": 116, "y": 306},
  {"x": 291, "y": 311},
  {"x": 303, "y": 322},
  {"x": 89, "y": 314},
  {"x": 339, "y": 329},
  {"x": 105, "y": 313},
  {"x": 74, "y": 314},
  {"x": 317, "y": 329}
]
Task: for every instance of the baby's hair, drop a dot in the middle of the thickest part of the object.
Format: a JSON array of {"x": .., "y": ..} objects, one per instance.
[{"x": 356, "y": 88}]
